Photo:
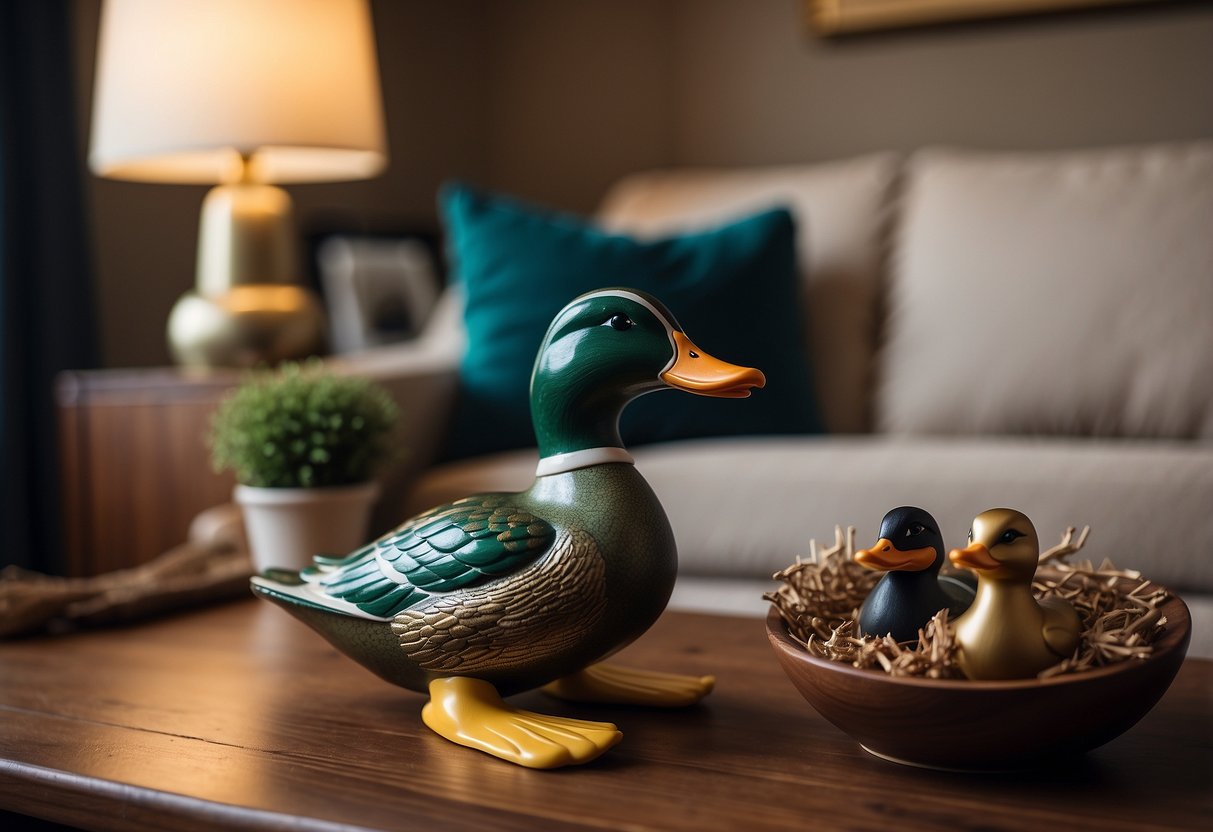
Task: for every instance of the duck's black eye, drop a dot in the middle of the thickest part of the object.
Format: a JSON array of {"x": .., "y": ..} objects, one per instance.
[
  {"x": 970, "y": 535},
  {"x": 1010, "y": 536},
  {"x": 621, "y": 322},
  {"x": 915, "y": 529}
]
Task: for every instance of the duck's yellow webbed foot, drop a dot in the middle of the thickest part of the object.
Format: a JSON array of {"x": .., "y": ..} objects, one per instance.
[
  {"x": 470, "y": 712},
  {"x": 613, "y": 685}
]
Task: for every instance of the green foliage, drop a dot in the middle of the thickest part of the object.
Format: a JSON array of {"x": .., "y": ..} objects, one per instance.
[{"x": 303, "y": 427}]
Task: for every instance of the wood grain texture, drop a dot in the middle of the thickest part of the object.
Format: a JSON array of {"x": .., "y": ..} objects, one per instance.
[
  {"x": 240, "y": 716},
  {"x": 136, "y": 468}
]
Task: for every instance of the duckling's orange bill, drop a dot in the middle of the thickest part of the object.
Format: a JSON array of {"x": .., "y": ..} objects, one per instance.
[
  {"x": 697, "y": 372},
  {"x": 973, "y": 556},
  {"x": 888, "y": 558}
]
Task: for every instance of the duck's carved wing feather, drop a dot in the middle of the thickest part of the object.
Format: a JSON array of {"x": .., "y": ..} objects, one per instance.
[{"x": 447, "y": 548}]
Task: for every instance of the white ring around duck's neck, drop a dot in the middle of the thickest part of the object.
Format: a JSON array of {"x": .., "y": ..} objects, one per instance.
[{"x": 571, "y": 461}]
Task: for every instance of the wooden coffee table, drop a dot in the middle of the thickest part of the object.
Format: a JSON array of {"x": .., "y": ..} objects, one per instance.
[{"x": 239, "y": 716}]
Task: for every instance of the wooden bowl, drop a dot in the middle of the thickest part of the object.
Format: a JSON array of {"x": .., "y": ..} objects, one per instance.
[{"x": 984, "y": 726}]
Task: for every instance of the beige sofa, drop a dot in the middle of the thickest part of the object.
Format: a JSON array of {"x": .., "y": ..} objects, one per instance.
[{"x": 1032, "y": 330}]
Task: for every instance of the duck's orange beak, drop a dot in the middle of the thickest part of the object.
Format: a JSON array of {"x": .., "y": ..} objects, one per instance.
[
  {"x": 973, "y": 556},
  {"x": 697, "y": 372},
  {"x": 888, "y": 558}
]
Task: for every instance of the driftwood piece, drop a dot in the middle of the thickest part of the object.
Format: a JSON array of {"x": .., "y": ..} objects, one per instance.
[{"x": 213, "y": 565}]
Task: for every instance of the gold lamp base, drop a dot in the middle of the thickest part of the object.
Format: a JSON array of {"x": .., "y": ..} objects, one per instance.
[
  {"x": 246, "y": 326},
  {"x": 247, "y": 309}
]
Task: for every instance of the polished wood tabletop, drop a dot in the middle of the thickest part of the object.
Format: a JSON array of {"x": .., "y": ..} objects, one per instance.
[{"x": 238, "y": 716}]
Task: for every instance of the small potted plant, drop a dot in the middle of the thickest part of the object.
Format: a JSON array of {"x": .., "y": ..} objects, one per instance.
[{"x": 304, "y": 445}]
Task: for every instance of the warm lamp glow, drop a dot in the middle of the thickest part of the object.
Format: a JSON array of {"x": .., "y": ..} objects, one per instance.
[
  {"x": 241, "y": 94},
  {"x": 186, "y": 88}
]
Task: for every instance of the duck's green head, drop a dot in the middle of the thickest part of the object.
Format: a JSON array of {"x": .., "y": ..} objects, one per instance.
[{"x": 604, "y": 349}]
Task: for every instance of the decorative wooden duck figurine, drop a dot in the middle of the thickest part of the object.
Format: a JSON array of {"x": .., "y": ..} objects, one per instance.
[
  {"x": 910, "y": 550},
  {"x": 1007, "y": 633},
  {"x": 498, "y": 593}
]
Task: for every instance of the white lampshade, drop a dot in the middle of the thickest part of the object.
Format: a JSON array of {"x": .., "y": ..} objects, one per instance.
[{"x": 185, "y": 88}]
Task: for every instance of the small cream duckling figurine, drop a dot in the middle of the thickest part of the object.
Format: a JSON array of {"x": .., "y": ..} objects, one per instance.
[{"x": 1007, "y": 633}]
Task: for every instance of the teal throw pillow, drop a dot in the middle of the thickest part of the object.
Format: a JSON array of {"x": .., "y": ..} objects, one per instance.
[{"x": 734, "y": 288}]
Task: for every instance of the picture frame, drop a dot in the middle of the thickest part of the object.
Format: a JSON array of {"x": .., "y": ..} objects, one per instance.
[
  {"x": 377, "y": 289},
  {"x": 839, "y": 17}
]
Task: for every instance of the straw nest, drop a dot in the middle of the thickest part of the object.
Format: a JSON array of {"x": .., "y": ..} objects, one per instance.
[{"x": 819, "y": 599}]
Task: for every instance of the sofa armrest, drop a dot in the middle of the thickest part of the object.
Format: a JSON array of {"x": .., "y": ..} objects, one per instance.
[
  {"x": 421, "y": 376},
  {"x": 425, "y": 394}
]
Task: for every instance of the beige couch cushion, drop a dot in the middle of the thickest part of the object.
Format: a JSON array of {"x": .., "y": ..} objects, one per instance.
[
  {"x": 1147, "y": 502},
  {"x": 840, "y": 211},
  {"x": 1066, "y": 293},
  {"x": 744, "y": 508}
]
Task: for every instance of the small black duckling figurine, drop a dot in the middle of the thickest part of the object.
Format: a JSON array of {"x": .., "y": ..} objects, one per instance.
[
  {"x": 498, "y": 593},
  {"x": 1007, "y": 633},
  {"x": 910, "y": 551}
]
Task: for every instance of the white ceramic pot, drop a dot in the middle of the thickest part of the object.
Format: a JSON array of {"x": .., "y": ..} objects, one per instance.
[{"x": 286, "y": 527}]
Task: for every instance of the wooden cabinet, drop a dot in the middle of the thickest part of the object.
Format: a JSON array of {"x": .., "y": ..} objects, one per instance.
[
  {"x": 135, "y": 462},
  {"x": 136, "y": 465}
]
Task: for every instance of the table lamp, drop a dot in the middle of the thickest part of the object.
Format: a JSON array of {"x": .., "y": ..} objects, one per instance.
[{"x": 243, "y": 95}]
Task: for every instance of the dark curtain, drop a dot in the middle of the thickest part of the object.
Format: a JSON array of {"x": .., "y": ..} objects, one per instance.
[{"x": 47, "y": 318}]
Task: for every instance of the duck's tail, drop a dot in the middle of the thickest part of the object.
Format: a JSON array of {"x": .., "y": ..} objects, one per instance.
[
  {"x": 324, "y": 564},
  {"x": 286, "y": 587},
  {"x": 286, "y": 577}
]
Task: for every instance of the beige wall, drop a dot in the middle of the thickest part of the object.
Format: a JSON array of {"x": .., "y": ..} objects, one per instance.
[
  {"x": 580, "y": 93},
  {"x": 554, "y": 99},
  {"x": 753, "y": 87}
]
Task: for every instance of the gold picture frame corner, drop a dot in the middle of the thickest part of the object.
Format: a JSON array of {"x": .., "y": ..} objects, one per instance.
[{"x": 837, "y": 17}]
